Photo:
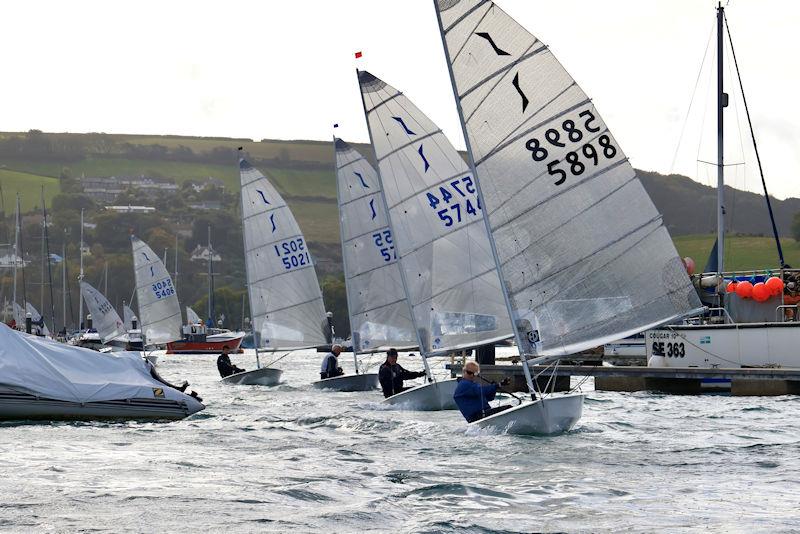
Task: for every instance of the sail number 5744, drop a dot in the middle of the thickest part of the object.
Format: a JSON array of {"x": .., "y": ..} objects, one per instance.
[{"x": 575, "y": 161}]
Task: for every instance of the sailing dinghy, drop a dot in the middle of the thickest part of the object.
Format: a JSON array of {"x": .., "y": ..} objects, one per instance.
[
  {"x": 379, "y": 313},
  {"x": 580, "y": 248},
  {"x": 286, "y": 306},
  {"x": 445, "y": 257},
  {"x": 43, "y": 379},
  {"x": 159, "y": 310}
]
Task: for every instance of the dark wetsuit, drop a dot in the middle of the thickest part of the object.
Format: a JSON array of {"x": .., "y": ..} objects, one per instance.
[
  {"x": 392, "y": 376},
  {"x": 225, "y": 367}
]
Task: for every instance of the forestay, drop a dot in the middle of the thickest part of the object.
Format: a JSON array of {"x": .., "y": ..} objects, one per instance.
[
  {"x": 105, "y": 318},
  {"x": 192, "y": 317},
  {"x": 128, "y": 316},
  {"x": 380, "y": 317},
  {"x": 285, "y": 299},
  {"x": 159, "y": 311},
  {"x": 435, "y": 213},
  {"x": 36, "y": 318},
  {"x": 582, "y": 250}
]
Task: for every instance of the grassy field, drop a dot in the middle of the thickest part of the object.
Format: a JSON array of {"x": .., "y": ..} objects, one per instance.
[
  {"x": 319, "y": 221},
  {"x": 741, "y": 253},
  {"x": 29, "y": 187},
  {"x": 297, "y": 183}
]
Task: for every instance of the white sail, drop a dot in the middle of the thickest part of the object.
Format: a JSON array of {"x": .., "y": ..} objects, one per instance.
[
  {"x": 582, "y": 249},
  {"x": 435, "y": 213},
  {"x": 105, "y": 318},
  {"x": 191, "y": 316},
  {"x": 36, "y": 317},
  {"x": 159, "y": 311},
  {"x": 380, "y": 317},
  {"x": 285, "y": 299},
  {"x": 127, "y": 317}
]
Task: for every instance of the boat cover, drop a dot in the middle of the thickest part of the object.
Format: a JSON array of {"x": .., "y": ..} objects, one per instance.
[{"x": 53, "y": 370}]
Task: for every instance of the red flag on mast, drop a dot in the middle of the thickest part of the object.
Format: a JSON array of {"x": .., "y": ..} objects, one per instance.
[{"x": 359, "y": 54}]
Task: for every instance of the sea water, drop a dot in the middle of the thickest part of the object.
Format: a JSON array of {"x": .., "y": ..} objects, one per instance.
[{"x": 294, "y": 459}]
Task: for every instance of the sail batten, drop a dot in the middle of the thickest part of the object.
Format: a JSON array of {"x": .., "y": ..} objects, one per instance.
[
  {"x": 430, "y": 194},
  {"x": 581, "y": 248},
  {"x": 159, "y": 310},
  {"x": 286, "y": 307},
  {"x": 380, "y": 316}
]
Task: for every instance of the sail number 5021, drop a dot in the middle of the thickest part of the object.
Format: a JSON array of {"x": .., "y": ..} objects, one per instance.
[
  {"x": 293, "y": 253},
  {"x": 571, "y": 133}
]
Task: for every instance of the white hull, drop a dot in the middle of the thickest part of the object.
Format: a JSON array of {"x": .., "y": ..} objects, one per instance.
[
  {"x": 15, "y": 405},
  {"x": 265, "y": 376},
  {"x": 725, "y": 345},
  {"x": 625, "y": 347},
  {"x": 543, "y": 417},
  {"x": 427, "y": 397},
  {"x": 362, "y": 382}
]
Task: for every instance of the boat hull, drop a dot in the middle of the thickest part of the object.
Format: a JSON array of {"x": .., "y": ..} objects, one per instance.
[
  {"x": 725, "y": 345},
  {"x": 543, "y": 417},
  {"x": 209, "y": 346},
  {"x": 15, "y": 405},
  {"x": 264, "y": 376},
  {"x": 427, "y": 397},
  {"x": 362, "y": 382}
]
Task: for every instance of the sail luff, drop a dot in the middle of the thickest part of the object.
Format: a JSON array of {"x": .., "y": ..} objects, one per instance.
[
  {"x": 105, "y": 318},
  {"x": 424, "y": 348},
  {"x": 286, "y": 307},
  {"x": 451, "y": 280},
  {"x": 159, "y": 310},
  {"x": 378, "y": 307},
  {"x": 580, "y": 246},
  {"x": 355, "y": 342}
]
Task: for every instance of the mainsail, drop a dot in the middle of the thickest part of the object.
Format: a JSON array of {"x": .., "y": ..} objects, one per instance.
[
  {"x": 159, "y": 311},
  {"x": 379, "y": 313},
  {"x": 435, "y": 213},
  {"x": 105, "y": 318},
  {"x": 192, "y": 317},
  {"x": 582, "y": 250},
  {"x": 127, "y": 317},
  {"x": 285, "y": 299}
]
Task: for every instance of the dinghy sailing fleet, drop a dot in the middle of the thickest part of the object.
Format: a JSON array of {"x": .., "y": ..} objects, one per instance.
[{"x": 544, "y": 235}]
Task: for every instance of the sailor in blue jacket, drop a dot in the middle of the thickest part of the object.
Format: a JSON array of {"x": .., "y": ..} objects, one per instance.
[{"x": 472, "y": 398}]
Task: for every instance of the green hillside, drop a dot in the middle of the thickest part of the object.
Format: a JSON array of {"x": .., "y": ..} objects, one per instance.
[
  {"x": 741, "y": 252},
  {"x": 29, "y": 187}
]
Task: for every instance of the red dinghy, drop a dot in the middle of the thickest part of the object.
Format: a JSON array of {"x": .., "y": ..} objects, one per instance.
[{"x": 197, "y": 340}]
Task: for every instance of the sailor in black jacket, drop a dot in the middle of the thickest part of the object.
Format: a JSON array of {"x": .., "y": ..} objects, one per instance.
[{"x": 392, "y": 375}]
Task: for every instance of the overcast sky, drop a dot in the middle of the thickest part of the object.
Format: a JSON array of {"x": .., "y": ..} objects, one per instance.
[{"x": 285, "y": 69}]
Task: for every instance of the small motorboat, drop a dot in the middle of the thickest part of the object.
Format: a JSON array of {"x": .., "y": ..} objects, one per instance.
[
  {"x": 197, "y": 339},
  {"x": 44, "y": 379}
]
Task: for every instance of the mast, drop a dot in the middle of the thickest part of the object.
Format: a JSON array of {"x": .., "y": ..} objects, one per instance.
[
  {"x": 422, "y": 348},
  {"x": 256, "y": 340},
  {"x": 105, "y": 279},
  {"x": 49, "y": 266},
  {"x": 80, "y": 278},
  {"x": 356, "y": 339},
  {"x": 22, "y": 255},
  {"x": 722, "y": 103},
  {"x": 16, "y": 250},
  {"x": 471, "y": 160},
  {"x": 210, "y": 281},
  {"x": 64, "y": 284},
  {"x": 175, "y": 282}
]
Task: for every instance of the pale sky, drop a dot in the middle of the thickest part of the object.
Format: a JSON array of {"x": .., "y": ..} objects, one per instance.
[{"x": 285, "y": 69}]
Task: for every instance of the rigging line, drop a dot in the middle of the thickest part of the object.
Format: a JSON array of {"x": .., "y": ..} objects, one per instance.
[
  {"x": 691, "y": 102},
  {"x": 755, "y": 146}
]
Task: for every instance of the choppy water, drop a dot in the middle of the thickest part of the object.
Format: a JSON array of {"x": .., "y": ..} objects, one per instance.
[{"x": 292, "y": 458}]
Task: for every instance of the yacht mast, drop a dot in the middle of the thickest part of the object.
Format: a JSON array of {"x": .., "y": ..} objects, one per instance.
[
  {"x": 80, "y": 278},
  {"x": 722, "y": 103}
]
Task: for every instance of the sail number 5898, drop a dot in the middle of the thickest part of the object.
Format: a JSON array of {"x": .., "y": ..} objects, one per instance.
[{"x": 570, "y": 132}]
